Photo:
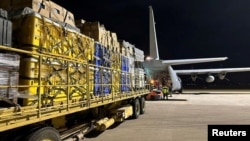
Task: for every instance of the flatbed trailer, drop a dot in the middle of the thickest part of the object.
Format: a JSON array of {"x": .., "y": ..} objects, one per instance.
[
  {"x": 53, "y": 86},
  {"x": 115, "y": 107}
]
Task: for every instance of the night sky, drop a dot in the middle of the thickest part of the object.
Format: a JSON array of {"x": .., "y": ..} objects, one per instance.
[{"x": 185, "y": 29}]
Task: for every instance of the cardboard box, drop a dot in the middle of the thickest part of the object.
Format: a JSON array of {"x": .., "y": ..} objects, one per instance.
[
  {"x": 94, "y": 30},
  {"x": 59, "y": 13},
  {"x": 46, "y": 8}
]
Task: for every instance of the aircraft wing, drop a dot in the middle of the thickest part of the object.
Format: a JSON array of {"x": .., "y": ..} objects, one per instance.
[
  {"x": 161, "y": 65},
  {"x": 210, "y": 71},
  {"x": 192, "y": 61}
]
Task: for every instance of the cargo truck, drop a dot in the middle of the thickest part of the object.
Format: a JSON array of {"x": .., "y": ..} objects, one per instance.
[{"x": 58, "y": 83}]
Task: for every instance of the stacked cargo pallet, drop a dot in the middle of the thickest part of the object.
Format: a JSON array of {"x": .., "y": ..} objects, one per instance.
[
  {"x": 39, "y": 30},
  {"x": 114, "y": 42},
  {"x": 119, "y": 55},
  {"x": 116, "y": 63},
  {"x": 116, "y": 67},
  {"x": 107, "y": 57},
  {"x": 83, "y": 60},
  {"x": 132, "y": 58},
  {"x": 98, "y": 89},
  {"x": 42, "y": 34},
  {"x": 139, "y": 78},
  {"x": 9, "y": 75},
  {"x": 127, "y": 65},
  {"x": 102, "y": 75}
]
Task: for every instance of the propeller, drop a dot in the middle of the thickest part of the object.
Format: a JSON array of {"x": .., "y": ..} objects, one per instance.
[
  {"x": 194, "y": 77},
  {"x": 222, "y": 76}
]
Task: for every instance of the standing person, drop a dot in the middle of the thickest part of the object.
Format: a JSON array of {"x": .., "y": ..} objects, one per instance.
[
  {"x": 165, "y": 91},
  {"x": 170, "y": 90}
]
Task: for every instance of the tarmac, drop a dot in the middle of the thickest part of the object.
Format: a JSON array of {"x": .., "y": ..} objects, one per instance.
[{"x": 183, "y": 117}]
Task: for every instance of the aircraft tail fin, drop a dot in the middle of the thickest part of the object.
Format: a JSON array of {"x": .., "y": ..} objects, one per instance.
[
  {"x": 154, "y": 54},
  {"x": 153, "y": 46}
]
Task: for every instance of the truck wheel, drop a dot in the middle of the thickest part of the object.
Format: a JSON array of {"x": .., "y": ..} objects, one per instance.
[
  {"x": 136, "y": 108},
  {"x": 142, "y": 105},
  {"x": 44, "y": 134}
]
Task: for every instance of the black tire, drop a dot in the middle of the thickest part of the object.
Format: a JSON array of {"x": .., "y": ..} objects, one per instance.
[
  {"x": 48, "y": 133},
  {"x": 181, "y": 91},
  {"x": 142, "y": 105},
  {"x": 136, "y": 108}
]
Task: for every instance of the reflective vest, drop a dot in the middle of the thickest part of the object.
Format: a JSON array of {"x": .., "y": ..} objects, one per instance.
[{"x": 165, "y": 90}]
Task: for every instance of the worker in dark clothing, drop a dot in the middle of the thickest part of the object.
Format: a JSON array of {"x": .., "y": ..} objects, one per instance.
[
  {"x": 165, "y": 92},
  {"x": 170, "y": 90}
]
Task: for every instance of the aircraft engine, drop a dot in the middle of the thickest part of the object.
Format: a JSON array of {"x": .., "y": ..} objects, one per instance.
[
  {"x": 222, "y": 75},
  {"x": 210, "y": 79},
  {"x": 193, "y": 77}
]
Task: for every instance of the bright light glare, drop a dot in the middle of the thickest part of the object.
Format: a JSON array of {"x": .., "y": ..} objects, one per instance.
[{"x": 149, "y": 58}]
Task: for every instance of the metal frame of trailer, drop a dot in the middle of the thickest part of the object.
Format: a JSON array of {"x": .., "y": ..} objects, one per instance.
[{"x": 18, "y": 116}]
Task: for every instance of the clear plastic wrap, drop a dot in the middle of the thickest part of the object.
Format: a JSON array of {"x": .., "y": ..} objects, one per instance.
[
  {"x": 9, "y": 61},
  {"x": 9, "y": 75}
]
